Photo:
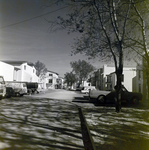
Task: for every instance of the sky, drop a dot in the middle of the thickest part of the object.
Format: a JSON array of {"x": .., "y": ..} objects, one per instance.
[
  {"x": 25, "y": 35},
  {"x": 32, "y": 40}
]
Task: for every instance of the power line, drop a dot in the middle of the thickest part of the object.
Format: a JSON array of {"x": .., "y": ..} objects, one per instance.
[{"x": 32, "y": 18}]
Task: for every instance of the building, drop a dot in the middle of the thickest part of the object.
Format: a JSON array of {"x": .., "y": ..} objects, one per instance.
[
  {"x": 138, "y": 80},
  {"x": 128, "y": 74},
  {"x": 60, "y": 83},
  {"x": 7, "y": 71},
  {"x": 105, "y": 77},
  {"x": 21, "y": 71},
  {"x": 50, "y": 80}
]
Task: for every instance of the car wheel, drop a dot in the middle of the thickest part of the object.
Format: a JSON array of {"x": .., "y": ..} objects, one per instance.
[
  {"x": 135, "y": 100},
  {"x": 101, "y": 99},
  {"x": 18, "y": 94},
  {"x": 8, "y": 95}
]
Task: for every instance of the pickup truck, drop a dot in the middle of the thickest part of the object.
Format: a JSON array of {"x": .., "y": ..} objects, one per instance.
[{"x": 19, "y": 88}]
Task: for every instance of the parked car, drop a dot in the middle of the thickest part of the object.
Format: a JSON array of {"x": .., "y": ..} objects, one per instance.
[
  {"x": 19, "y": 88},
  {"x": 129, "y": 97},
  {"x": 79, "y": 88},
  {"x": 87, "y": 88},
  {"x": 2, "y": 87},
  {"x": 97, "y": 94}
]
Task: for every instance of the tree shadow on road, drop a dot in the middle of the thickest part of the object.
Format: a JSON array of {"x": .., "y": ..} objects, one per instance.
[{"x": 46, "y": 124}]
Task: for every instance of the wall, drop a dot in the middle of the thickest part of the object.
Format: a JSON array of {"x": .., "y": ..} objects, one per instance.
[
  {"x": 106, "y": 71},
  {"x": 129, "y": 73},
  {"x": 7, "y": 71},
  {"x": 52, "y": 77},
  {"x": 138, "y": 80},
  {"x": 26, "y": 73}
]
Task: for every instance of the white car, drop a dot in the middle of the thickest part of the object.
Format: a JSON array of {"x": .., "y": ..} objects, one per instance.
[
  {"x": 87, "y": 88},
  {"x": 98, "y": 94}
]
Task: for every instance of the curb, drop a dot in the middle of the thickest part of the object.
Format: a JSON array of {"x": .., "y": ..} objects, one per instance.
[{"x": 86, "y": 135}]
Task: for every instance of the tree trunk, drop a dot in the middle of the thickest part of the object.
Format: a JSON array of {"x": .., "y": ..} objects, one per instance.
[
  {"x": 147, "y": 91},
  {"x": 118, "y": 88}
]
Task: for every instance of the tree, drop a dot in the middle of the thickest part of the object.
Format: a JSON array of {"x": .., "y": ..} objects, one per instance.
[
  {"x": 40, "y": 69},
  {"x": 70, "y": 78},
  {"x": 102, "y": 25},
  {"x": 138, "y": 37},
  {"x": 82, "y": 69}
]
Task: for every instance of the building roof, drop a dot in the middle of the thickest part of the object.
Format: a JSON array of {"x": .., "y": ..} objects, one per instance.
[
  {"x": 53, "y": 72},
  {"x": 14, "y": 62},
  {"x": 17, "y": 63}
]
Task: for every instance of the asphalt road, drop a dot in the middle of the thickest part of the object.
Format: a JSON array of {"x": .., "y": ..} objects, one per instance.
[{"x": 50, "y": 121}]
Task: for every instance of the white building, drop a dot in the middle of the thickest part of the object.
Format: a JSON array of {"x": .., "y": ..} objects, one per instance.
[
  {"x": 50, "y": 80},
  {"x": 7, "y": 71},
  {"x": 19, "y": 71},
  {"x": 138, "y": 80},
  {"x": 128, "y": 74},
  {"x": 106, "y": 70},
  {"x": 108, "y": 77}
]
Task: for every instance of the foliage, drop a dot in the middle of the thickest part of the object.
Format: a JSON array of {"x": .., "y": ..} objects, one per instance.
[
  {"x": 102, "y": 25},
  {"x": 138, "y": 37},
  {"x": 82, "y": 69},
  {"x": 40, "y": 69},
  {"x": 70, "y": 78}
]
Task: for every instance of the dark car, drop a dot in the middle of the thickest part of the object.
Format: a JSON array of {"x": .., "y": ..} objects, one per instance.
[
  {"x": 79, "y": 88},
  {"x": 129, "y": 97}
]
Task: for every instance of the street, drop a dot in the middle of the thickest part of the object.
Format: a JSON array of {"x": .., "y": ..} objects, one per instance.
[{"x": 50, "y": 120}]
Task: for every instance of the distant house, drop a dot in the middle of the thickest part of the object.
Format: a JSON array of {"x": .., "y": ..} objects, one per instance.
[
  {"x": 138, "y": 80},
  {"x": 105, "y": 77},
  {"x": 106, "y": 70},
  {"x": 50, "y": 80},
  {"x": 128, "y": 74},
  {"x": 22, "y": 71},
  {"x": 60, "y": 83}
]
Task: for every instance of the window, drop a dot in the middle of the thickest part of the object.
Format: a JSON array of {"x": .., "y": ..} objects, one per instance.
[
  {"x": 50, "y": 74},
  {"x": 139, "y": 75},
  {"x": 33, "y": 70},
  {"x": 24, "y": 67},
  {"x": 50, "y": 80}
]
